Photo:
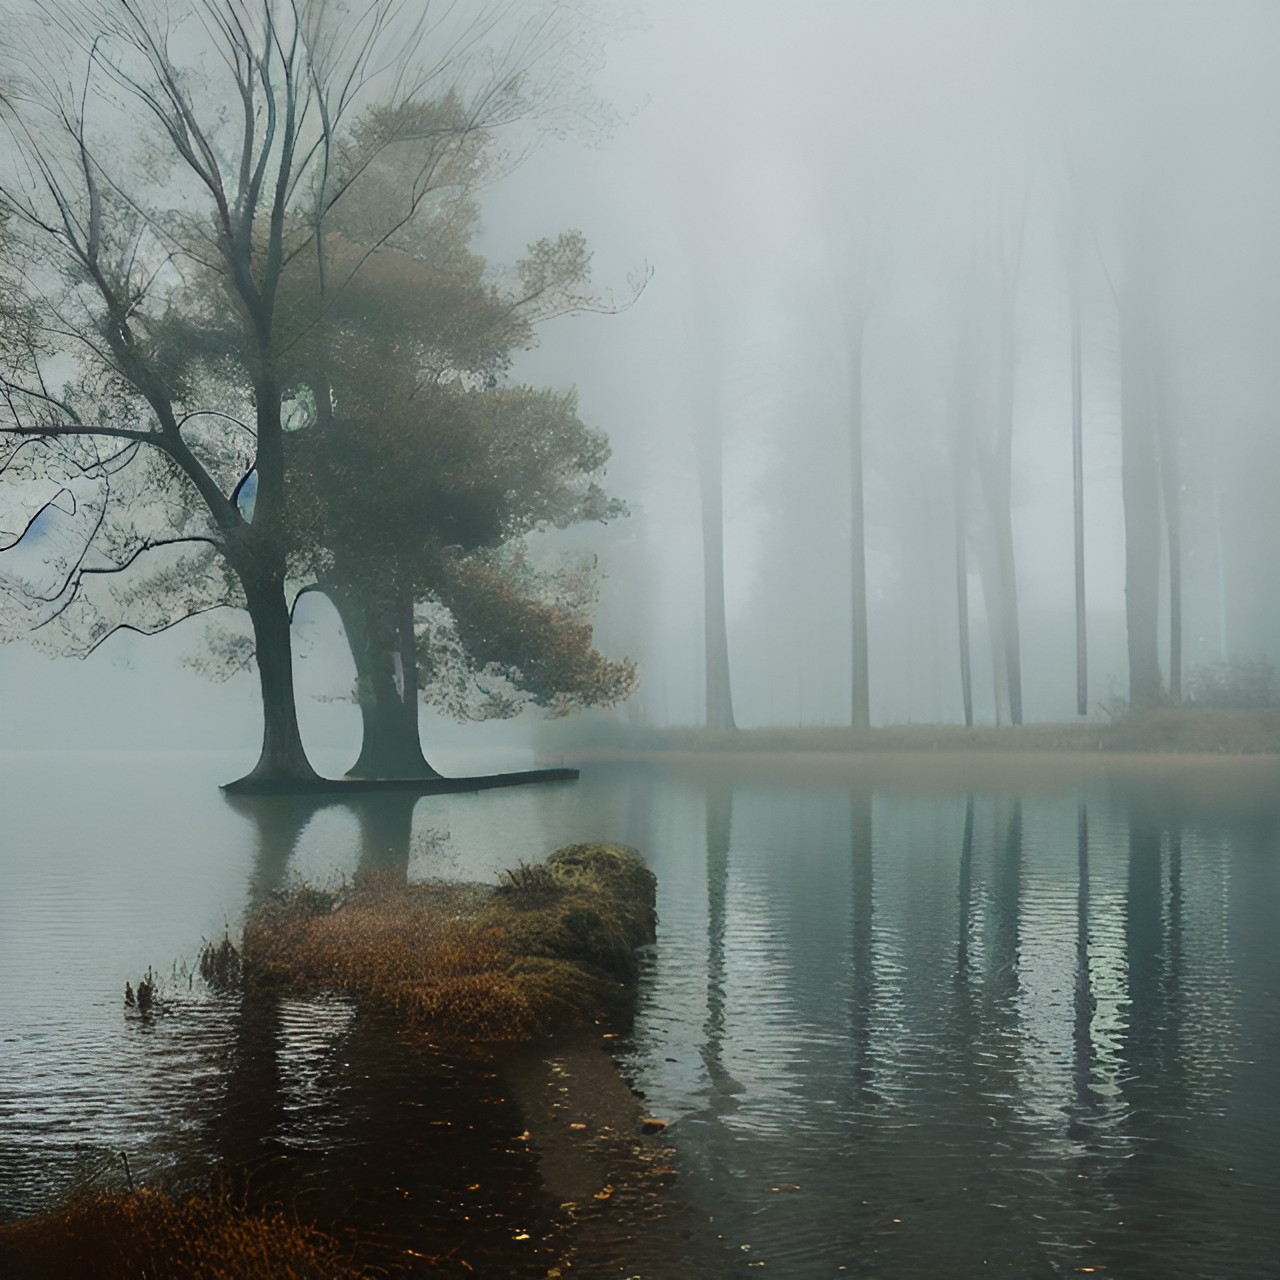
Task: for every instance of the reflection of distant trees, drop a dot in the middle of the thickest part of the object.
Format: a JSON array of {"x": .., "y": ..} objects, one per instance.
[
  {"x": 1083, "y": 1002},
  {"x": 862, "y": 944},
  {"x": 1004, "y": 978},
  {"x": 719, "y": 826}
]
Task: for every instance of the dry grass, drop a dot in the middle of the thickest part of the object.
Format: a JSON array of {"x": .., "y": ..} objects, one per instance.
[
  {"x": 153, "y": 1235},
  {"x": 552, "y": 948}
]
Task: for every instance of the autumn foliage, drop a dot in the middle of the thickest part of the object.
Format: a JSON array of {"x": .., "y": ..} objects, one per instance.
[{"x": 151, "y": 1234}]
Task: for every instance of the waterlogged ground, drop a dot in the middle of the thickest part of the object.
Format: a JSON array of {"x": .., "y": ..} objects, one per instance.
[{"x": 921, "y": 1018}]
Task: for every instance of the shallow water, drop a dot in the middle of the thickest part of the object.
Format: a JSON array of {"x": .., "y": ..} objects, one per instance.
[{"x": 923, "y": 1023}]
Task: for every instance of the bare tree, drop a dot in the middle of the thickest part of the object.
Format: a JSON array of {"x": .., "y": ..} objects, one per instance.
[{"x": 149, "y": 152}]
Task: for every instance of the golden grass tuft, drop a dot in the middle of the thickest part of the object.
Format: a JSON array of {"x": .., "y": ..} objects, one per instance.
[
  {"x": 553, "y": 947},
  {"x": 148, "y": 1233}
]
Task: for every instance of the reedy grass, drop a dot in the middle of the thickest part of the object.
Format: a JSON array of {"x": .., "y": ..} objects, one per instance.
[
  {"x": 552, "y": 948},
  {"x": 146, "y": 1233}
]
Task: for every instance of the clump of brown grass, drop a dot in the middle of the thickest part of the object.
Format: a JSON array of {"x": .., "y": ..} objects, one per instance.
[
  {"x": 527, "y": 881},
  {"x": 149, "y": 1233},
  {"x": 552, "y": 947}
]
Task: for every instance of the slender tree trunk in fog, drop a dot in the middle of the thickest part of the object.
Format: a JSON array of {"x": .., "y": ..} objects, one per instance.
[
  {"x": 962, "y": 457},
  {"x": 1002, "y": 520},
  {"x": 1077, "y": 469},
  {"x": 1140, "y": 481},
  {"x": 989, "y": 576},
  {"x": 716, "y": 634},
  {"x": 861, "y": 686},
  {"x": 962, "y": 597},
  {"x": 1169, "y": 484},
  {"x": 1011, "y": 640},
  {"x": 996, "y": 464}
]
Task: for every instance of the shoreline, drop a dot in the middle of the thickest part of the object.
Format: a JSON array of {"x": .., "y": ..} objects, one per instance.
[{"x": 1166, "y": 733}]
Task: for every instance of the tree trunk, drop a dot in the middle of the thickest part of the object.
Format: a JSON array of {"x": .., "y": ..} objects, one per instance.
[
  {"x": 861, "y": 686},
  {"x": 282, "y": 758},
  {"x": 257, "y": 557},
  {"x": 1077, "y": 469},
  {"x": 387, "y": 687},
  {"x": 962, "y": 600},
  {"x": 1001, "y": 501},
  {"x": 1008, "y": 623},
  {"x": 988, "y": 574},
  {"x": 1140, "y": 480},
  {"x": 1170, "y": 483},
  {"x": 716, "y": 637}
]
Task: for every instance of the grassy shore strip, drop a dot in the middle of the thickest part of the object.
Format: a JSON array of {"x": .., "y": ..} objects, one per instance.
[
  {"x": 123, "y": 1236},
  {"x": 551, "y": 948},
  {"x": 1163, "y": 731}
]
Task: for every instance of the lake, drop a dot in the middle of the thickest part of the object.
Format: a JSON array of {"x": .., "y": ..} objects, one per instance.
[{"x": 914, "y": 1018}]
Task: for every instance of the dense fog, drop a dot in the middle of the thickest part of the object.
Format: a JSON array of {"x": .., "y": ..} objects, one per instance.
[
  {"x": 810, "y": 216},
  {"x": 927, "y": 167}
]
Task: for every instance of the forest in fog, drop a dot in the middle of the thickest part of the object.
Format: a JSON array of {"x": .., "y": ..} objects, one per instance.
[
  {"x": 809, "y": 364},
  {"x": 913, "y": 253}
]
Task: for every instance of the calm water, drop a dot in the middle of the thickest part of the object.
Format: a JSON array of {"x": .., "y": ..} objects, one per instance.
[{"x": 999, "y": 1021}]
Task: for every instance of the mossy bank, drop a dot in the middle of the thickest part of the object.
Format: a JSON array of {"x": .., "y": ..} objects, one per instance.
[{"x": 550, "y": 949}]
